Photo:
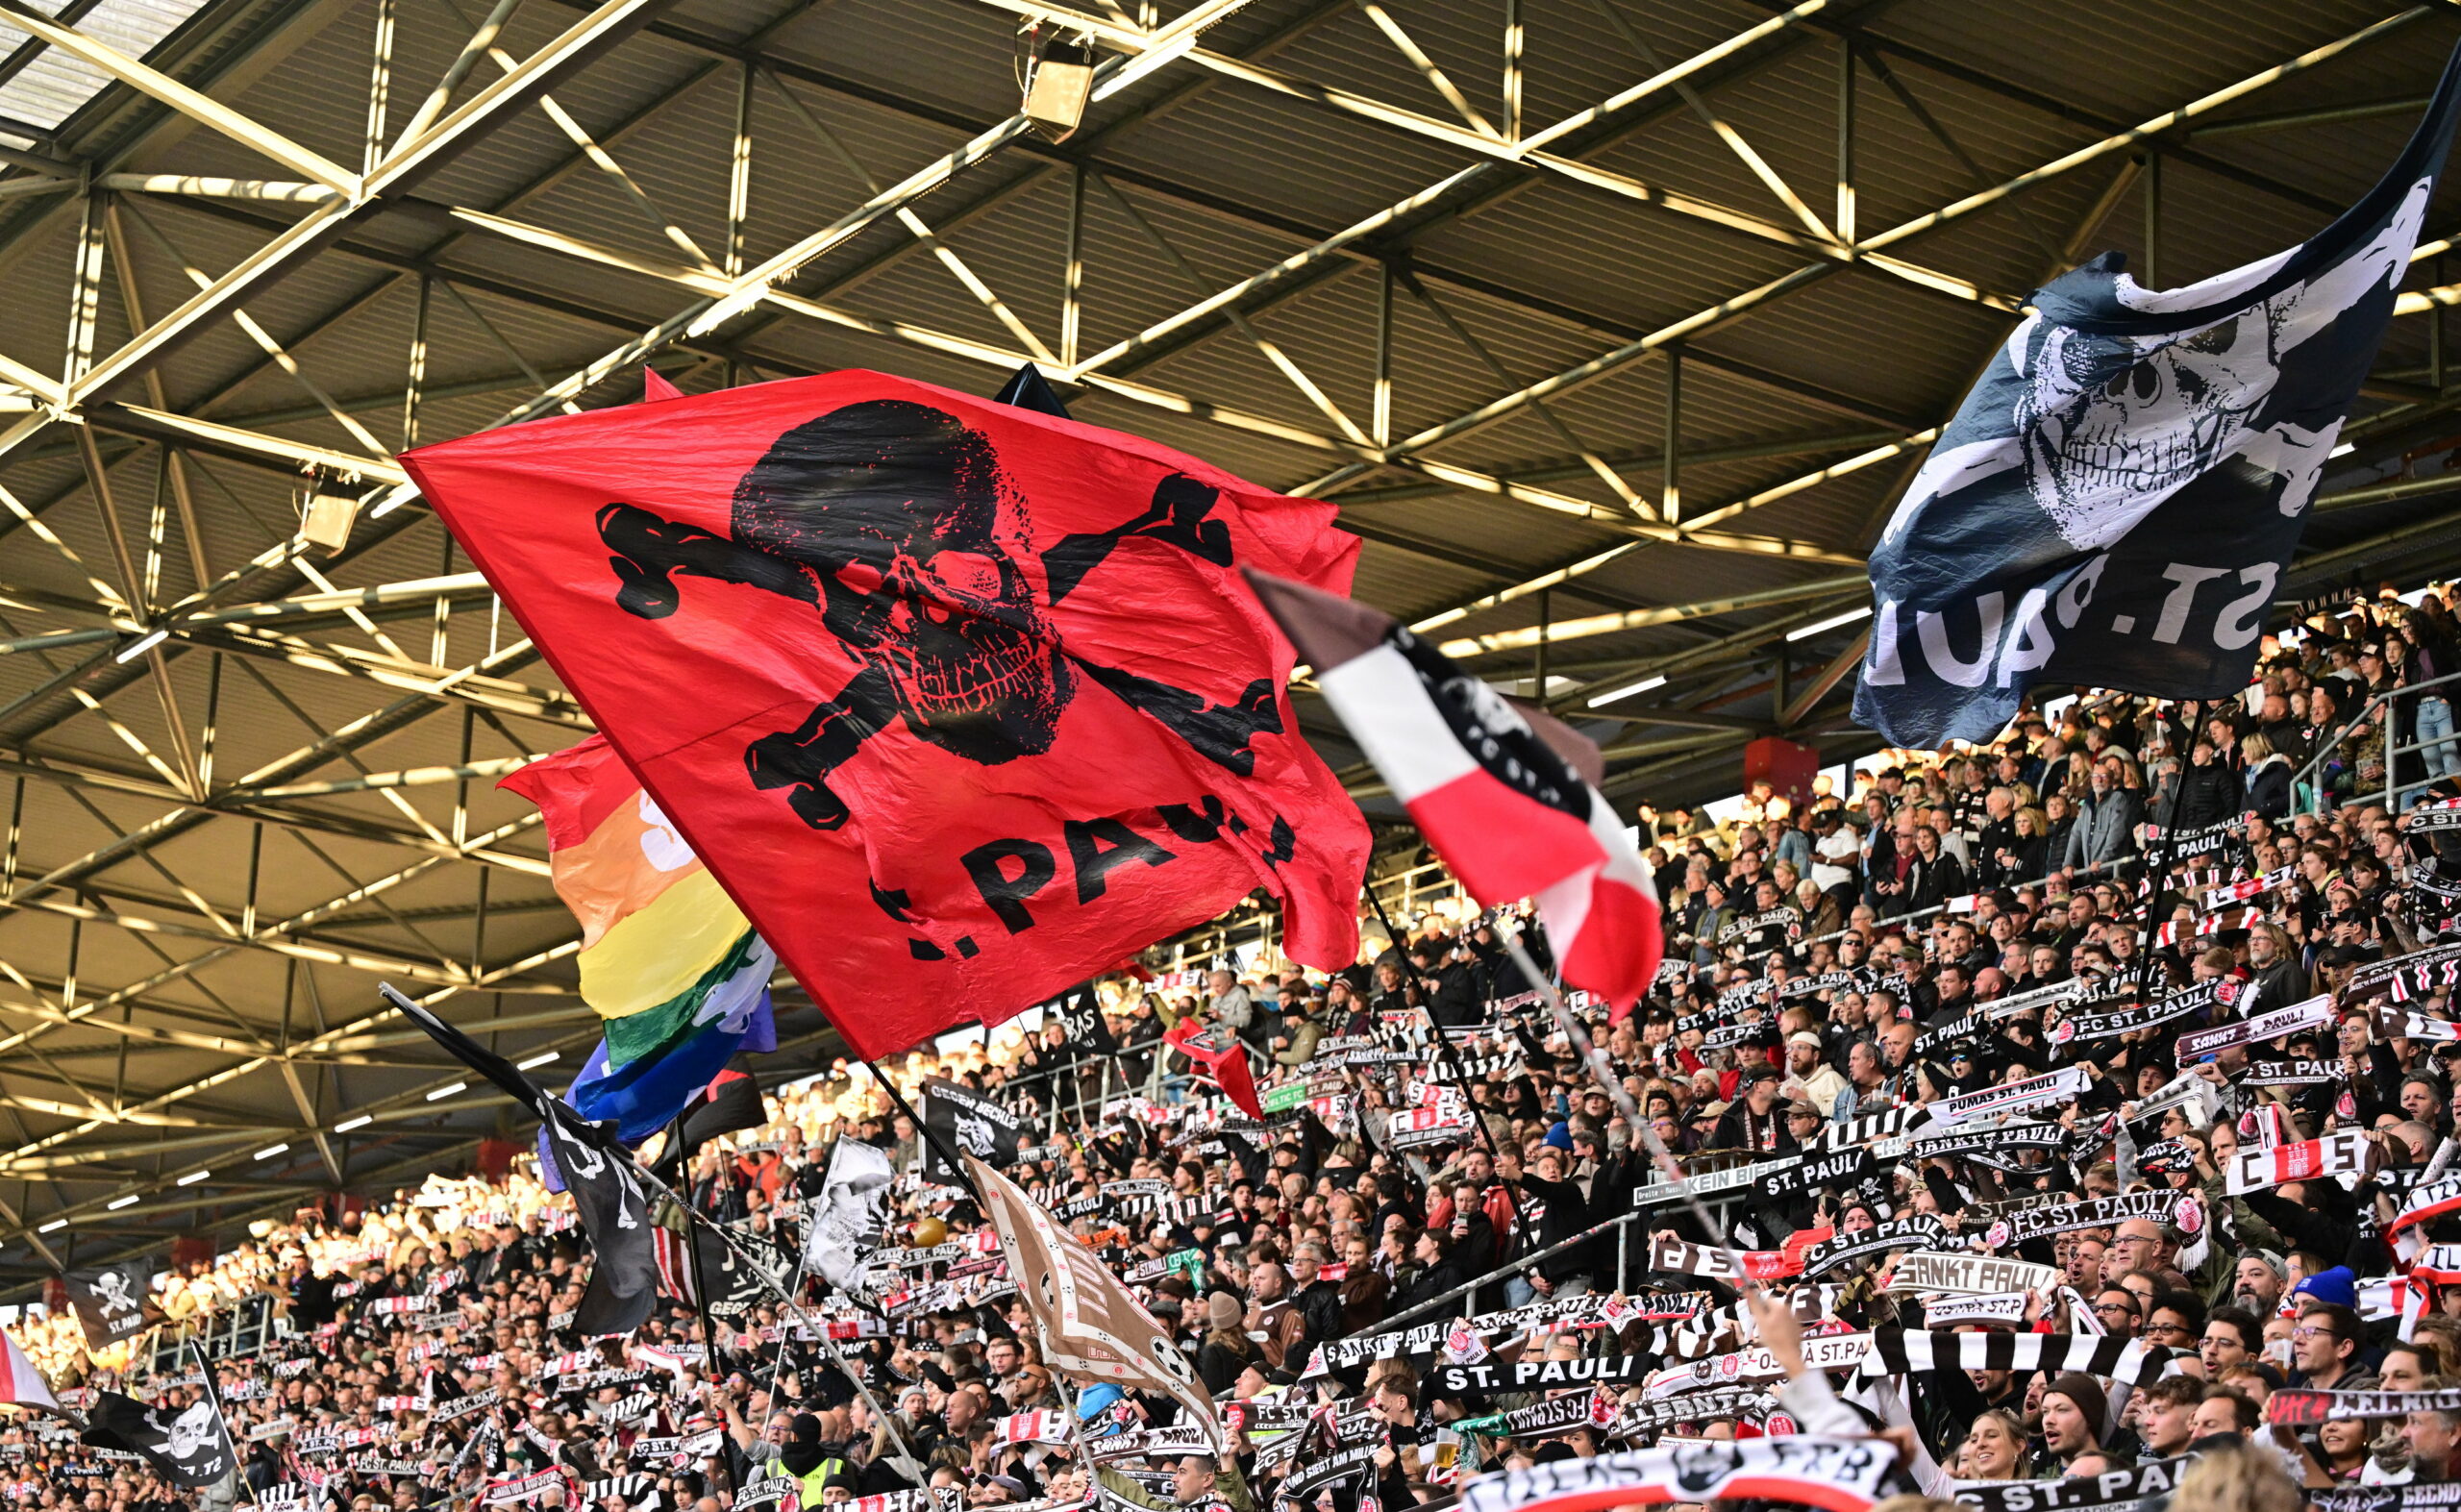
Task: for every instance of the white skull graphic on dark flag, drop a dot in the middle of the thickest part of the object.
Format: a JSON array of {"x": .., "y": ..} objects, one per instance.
[
  {"x": 969, "y": 1124},
  {"x": 109, "y": 1300},
  {"x": 2118, "y": 496},
  {"x": 187, "y": 1446}
]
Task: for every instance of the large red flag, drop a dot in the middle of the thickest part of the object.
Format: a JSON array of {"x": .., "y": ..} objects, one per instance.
[{"x": 960, "y": 702}]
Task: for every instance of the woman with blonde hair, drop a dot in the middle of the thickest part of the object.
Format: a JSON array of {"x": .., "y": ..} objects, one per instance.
[
  {"x": 1993, "y": 1448},
  {"x": 2235, "y": 1478},
  {"x": 2267, "y": 778}
]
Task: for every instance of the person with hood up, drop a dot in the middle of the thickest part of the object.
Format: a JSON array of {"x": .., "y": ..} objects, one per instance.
[{"x": 803, "y": 1458}]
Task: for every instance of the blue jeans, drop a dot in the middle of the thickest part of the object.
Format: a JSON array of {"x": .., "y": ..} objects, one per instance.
[{"x": 2438, "y": 752}]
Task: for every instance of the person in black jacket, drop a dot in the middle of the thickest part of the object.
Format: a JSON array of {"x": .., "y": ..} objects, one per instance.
[
  {"x": 1561, "y": 1211},
  {"x": 1439, "y": 1273},
  {"x": 2267, "y": 779},
  {"x": 1934, "y": 878},
  {"x": 1319, "y": 1300},
  {"x": 2209, "y": 792},
  {"x": 1451, "y": 981}
]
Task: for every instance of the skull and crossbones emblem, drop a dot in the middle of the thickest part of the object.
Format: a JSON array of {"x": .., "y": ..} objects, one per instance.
[
  {"x": 110, "y": 1292},
  {"x": 898, "y": 525},
  {"x": 190, "y": 1431},
  {"x": 975, "y": 1134}
]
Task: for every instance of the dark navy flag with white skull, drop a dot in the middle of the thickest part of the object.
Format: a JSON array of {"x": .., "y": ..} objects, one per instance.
[
  {"x": 2118, "y": 496},
  {"x": 187, "y": 1446},
  {"x": 109, "y": 1300}
]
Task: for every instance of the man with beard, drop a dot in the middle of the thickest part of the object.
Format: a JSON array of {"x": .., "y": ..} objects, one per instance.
[
  {"x": 2431, "y": 1437},
  {"x": 2259, "y": 1282},
  {"x": 1809, "y": 1075},
  {"x": 2281, "y": 978}
]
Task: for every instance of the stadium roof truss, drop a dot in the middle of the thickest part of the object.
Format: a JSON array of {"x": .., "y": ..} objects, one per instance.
[{"x": 1616, "y": 329}]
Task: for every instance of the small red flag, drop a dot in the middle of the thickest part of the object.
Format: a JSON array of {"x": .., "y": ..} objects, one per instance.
[
  {"x": 962, "y": 702},
  {"x": 1224, "y": 1059}
]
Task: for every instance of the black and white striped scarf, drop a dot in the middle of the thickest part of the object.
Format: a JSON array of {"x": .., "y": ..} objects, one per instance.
[
  {"x": 1865, "y": 1128},
  {"x": 1901, "y": 1352},
  {"x": 631, "y": 1487}
]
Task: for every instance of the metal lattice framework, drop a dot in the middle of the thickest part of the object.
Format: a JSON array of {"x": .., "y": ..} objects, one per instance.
[{"x": 1615, "y": 329}]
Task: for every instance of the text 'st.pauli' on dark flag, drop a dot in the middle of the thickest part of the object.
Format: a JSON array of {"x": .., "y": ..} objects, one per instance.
[
  {"x": 109, "y": 1300},
  {"x": 188, "y": 1446},
  {"x": 967, "y": 1123},
  {"x": 2119, "y": 495},
  {"x": 978, "y": 704}
]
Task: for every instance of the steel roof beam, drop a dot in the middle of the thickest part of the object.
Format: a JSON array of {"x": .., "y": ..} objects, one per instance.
[
  {"x": 1587, "y": 373},
  {"x": 195, "y": 104},
  {"x": 1086, "y": 153},
  {"x": 399, "y": 170}
]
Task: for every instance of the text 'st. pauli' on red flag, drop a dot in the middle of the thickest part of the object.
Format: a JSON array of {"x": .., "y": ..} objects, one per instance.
[{"x": 962, "y": 702}]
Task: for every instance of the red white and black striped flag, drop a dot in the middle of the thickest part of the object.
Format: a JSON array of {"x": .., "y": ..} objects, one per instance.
[
  {"x": 1503, "y": 792},
  {"x": 1223, "y": 1058},
  {"x": 21, "y": 1385}
]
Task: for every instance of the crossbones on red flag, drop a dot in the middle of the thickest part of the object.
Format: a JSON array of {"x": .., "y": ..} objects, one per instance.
[{"x": 960, "y": 702}]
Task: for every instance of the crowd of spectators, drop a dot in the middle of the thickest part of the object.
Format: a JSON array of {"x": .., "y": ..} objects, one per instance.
[{"x": 1833, "y": 967}]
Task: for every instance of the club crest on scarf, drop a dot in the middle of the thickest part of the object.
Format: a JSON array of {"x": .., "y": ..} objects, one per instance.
[{"x": 897, "y": 524}]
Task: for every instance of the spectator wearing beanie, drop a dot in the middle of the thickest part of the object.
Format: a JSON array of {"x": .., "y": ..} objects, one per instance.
[
  {"x": 2074, "y": 1411},
  {"x": 1227, "y": 1349}
]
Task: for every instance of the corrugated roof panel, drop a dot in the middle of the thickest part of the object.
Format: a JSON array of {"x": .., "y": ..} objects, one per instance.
[{"x": 50, "y": 85}]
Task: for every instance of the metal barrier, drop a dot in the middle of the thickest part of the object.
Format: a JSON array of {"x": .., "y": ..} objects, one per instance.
[
  {"x": 223, "y": 1334},
  {"x": 1111, "y": 1064},
  {"x": 2393, "y": 750},
  {"x": 1886, "y": 920}
]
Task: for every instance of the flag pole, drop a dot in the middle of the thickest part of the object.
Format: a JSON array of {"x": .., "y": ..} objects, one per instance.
[
  {"x": 948, "y": 1157},
  {"x": 794, "y": 1291},
  {"x": 1595, "y": 1060},
  {"x": 205, "y": 1368},
  {"x": 1443, "y": 1046},
  {"x": 793, "y": 1310},
  {"x": 700, "y": 1276},
  {"x": 522, "y": 1090}
]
